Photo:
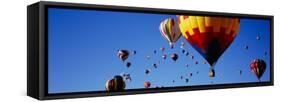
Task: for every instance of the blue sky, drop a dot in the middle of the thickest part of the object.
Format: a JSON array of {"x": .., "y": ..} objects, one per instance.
[{"x": 83, "y": 48}]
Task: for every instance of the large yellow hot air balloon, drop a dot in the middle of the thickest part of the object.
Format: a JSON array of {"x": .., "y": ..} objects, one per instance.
[{"x": 210, "y": 36}]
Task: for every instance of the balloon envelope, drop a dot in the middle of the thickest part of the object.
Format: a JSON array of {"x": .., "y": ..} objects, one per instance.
[
  {"x": 147, "y": 84},
  {"x": 258, "y": 67},
  {"x": 169, "y": 29},
  {"x": 174, "y": 56},
  {"x": 115, "y": 84},
  {"x": 210, "y": 36},
  {"x": 123, "y": 54}
]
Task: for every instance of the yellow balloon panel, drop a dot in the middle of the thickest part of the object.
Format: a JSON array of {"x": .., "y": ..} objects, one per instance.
[{"x": 215, "y": 24}]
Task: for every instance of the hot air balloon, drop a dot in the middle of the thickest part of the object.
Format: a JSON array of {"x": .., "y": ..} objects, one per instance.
[
  {"x": 181, "y": 77},
  {"x": 196, "y": 62},
  {"x": 258, "y": 67},
  {"x": 182, "y": 45},
  {"x": 183, "y": 51},
  {"x": 240, "y": 72},
  {"x": 126, "y": 76},
  {"x": 246, "y": 47},
  {"x": 186, "y": 65},
  {"x": 162, "y": 49},
  {"x": 164, "y": 56},
  {"x": 186, "y": 80},
  {"x": 170, "y": 31},
  {"x": 115, "y": 84},
  {"x": 147, "y": 84},
  {"x": 155, "y": 65},
  {"x": 187, "y": 53},
  {"x": 147, "y": 71},
  {"x": 134, "y": 52},
  {"x": 128, "y": 64},
  {"x": 123, "y": 54},
  {"x": 258, "y": 37},
  {"x": 192, "y": 57},
  {"x": 154, "y": 51},
  {"x": 210, "y": 36},
  {"x": 190, "y": 74},
  {"x": 174, "y": 56}
]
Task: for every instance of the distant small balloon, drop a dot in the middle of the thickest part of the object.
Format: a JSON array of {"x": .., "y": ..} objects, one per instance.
[
  {"x": 128, "y": 77},
  {"x": 134, "y": 52},
  {"x": 147, "y": 84},
  {"x": 123, "y": 54},
  {"x": 164, "y": 56},
  {"x": 154, "y": 65},
  {"x": 190, "y": 74},
  {"x": 192, "y": 57},
  {"x": 154, "y": 51},
  {"x": 187, "y": 53},
  {"x": 183, "y": 51},
  {"x": 258, "y": 37},
  {"x": 186, "y": 80},
  {"x": 147, "y": 71},
  {"x": 162, "y": 49},
  {"x": 246, "y": 47},
  {"x": 181, "y": 77},
  {"x": 174, "y": 56},
  {"x": 240, "y": 72},
  {"x": 196, "y": 62},
  {"x": 182, "y": 45},
  {"x": 128, "y": 64},
  {"x": 173, "y": 81},
  {"x": 186, "y": 65}
]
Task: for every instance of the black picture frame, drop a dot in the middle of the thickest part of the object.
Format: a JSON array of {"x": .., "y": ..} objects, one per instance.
[{"x": 37, "y": 49}]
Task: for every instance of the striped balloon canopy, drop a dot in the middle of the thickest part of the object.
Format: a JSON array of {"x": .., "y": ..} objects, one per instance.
[
  {"x": 115, "y": 84},
  {"x": 210, "y": 36},
  {"x": 169, "y": 29}
]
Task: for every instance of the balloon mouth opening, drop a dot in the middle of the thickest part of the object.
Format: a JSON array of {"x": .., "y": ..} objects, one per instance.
[{"x": 171, "y": 45}]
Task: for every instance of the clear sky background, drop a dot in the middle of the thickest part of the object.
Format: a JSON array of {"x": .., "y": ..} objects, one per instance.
[{"x": 83, "y": 48}]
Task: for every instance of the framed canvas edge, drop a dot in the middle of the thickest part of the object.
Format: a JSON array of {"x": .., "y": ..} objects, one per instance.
[{"x": 43, "y": 45}]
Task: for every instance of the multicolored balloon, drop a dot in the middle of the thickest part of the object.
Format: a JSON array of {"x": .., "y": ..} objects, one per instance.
[
  {"x": 169, "y": 29},
  {"x": 210, "y": 36},
  {"x": 115, "y": 84},
  {"x": 147, "y": 84},
  {"x": 123, "y": 54},
  {"x": 258, "y": 67}
]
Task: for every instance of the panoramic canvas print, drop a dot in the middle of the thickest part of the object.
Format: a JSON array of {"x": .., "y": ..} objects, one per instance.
[{"x": 109, "y": 51}]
